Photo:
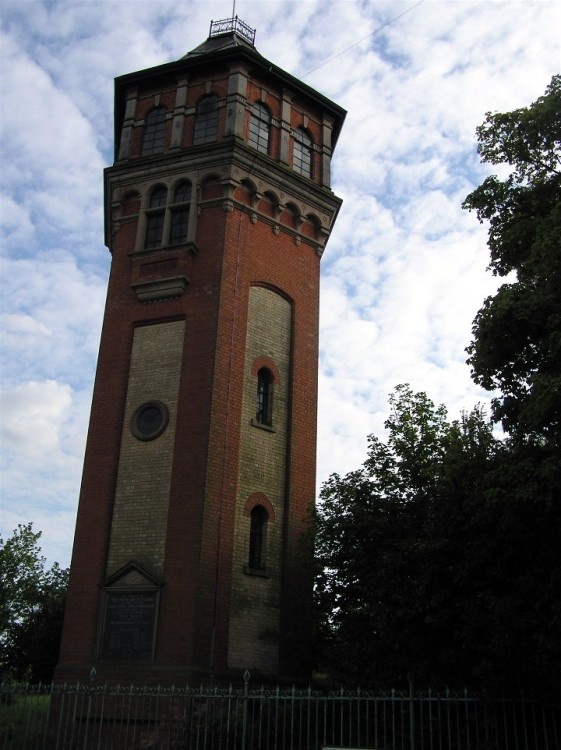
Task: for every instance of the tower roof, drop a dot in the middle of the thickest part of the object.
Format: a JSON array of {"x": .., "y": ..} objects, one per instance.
[
  {"x": 226, "y": 34},
  {"x": 229, "y": 40}
]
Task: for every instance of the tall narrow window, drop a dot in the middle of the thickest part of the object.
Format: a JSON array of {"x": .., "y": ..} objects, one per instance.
[
  {"x": 259, "y": 123},
  {"x": 155, "y": 131},
  {"x": 302, "y": 157},
  {"x": 180, "y": 213},
  {"x": 155, "y": 218},
  {"x": 264, "y": 396},
  {"x": 257, "y": 537},
  {"x": 206, "y": 120}
]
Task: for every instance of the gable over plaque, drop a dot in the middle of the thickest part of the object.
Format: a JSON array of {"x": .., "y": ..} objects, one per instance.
[{"x": 130, "y": 612}]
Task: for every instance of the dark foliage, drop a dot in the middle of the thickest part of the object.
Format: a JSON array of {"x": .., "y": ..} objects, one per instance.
[
  {"x": 31, "y": 608},
  {"x": 441, "y": 556},
  {"x": 516, "y": 348},
  {"x": 430, "y": 562}
]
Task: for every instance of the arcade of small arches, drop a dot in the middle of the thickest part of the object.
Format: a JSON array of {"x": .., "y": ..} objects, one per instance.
[{"x": 167, "y": 212}]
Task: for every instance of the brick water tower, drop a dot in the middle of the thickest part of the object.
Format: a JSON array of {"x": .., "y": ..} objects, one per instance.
[{"x": 192, "y": 553}]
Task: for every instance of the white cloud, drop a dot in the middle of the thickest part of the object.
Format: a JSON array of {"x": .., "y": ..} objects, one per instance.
[
  {"x": 54, "y": 329},
  {"x": 402, "y": 276},
  {"x": 50, "y": 158},
  {"x": 31, "y": 415}
]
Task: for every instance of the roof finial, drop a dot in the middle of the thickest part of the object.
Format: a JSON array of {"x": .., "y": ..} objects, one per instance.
[{"x": 232, "y": 25}]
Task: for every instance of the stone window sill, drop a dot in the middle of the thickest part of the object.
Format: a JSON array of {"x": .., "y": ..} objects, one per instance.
[
  {"x": 262, "y": 426},
  {"x": 259, "y": 572}
]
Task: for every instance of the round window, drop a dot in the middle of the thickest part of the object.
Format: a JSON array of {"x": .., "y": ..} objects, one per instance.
[{"x": 149, "y": 420}]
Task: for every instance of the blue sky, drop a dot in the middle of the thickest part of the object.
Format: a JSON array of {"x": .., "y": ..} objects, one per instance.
[{"x": 404, "y": 271}]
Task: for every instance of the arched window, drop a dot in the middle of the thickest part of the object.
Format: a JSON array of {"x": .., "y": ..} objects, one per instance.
[
  {"x": 302, "y": 157},
  {"x": 257, "y": 537},
  {"x": 206, "y": 120},
  {"x": 180, "y": 213},
  {"x": 159, "y": 197},
  {"x": 155, "y": 131},
  {"x": 155, "y": 217},
  {"x": 259, "y": 123},
  {"x": 264, "y": 396},
  {"x": 173, "y": 228}
]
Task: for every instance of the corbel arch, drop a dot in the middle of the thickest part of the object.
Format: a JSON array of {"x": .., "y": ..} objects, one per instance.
[
  {"x": 130, "y": 203},
  {"x": 291, "y": 216},
  {"x": 211, "y": 187},
  {"x": 246, "y": 192},
  {"x": 270, "y": 204},
  {"x": 311, "y": 226}
]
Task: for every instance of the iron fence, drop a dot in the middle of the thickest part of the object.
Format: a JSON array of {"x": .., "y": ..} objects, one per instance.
[{"x": 92, "y": 717}]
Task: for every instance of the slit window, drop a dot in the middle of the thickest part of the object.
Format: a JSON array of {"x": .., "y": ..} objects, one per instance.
[
  {"x": 179, "y": 225},
  {"x": 180, "y": 213},
  {"x": 154, "y": 131},
  {"x": 302, "y": 156},
  {"x": 264, "y": 413},
  {"x": 155, "y": 218},
  {"x": 259, "y": 123},
  {"x": 206, "y": 120},
  {"x": 154, "y": 230},
  {"x": 257, "y": 537}
]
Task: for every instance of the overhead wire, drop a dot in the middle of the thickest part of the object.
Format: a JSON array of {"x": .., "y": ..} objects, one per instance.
[{"x": 383, "y": 26}]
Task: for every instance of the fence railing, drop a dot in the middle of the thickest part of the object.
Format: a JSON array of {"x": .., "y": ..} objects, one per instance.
[{"x": 92, "y": 717}]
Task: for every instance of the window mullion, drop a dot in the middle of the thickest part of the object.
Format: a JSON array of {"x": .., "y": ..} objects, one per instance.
[{"x": 167, "y": 225}]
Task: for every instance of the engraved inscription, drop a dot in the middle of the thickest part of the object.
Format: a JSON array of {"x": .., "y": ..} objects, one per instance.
[{"x": 129, "y": 625}]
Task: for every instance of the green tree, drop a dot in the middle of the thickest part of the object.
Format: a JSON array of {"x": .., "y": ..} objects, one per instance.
[
  {"x": 426, "y": 566},
  {"x": 516, "y": 347},
  {"x": 31, "y": 608}
]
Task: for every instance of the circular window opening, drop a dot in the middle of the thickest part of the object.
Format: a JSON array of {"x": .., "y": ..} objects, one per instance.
[{"x": 149, "y": 420}]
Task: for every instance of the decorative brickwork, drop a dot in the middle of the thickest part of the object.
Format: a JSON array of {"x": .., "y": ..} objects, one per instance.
[
  {"x": 254, "y": 623},
  {"x": 191, "y": 318},
  {"x": 140, "y": 511}
]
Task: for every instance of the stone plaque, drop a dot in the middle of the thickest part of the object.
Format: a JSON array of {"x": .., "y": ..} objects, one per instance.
[{"x": 130, "y": 619}]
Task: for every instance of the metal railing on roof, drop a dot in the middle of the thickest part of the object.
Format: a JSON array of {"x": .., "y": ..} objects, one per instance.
[{"x": 232, "y": 26}]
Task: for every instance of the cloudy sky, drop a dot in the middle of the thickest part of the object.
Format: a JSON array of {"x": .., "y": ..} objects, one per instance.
[{"x": 404, "y": 271}]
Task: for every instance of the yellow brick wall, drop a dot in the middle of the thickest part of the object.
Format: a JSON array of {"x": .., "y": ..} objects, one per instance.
[
  {"x": 255, "y": 603},
  {"x": 138, "y": 529}
]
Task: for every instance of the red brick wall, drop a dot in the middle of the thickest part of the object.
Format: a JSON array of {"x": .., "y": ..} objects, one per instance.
[{"x": 237, "y": 246}]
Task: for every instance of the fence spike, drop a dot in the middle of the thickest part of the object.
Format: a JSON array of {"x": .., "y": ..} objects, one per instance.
[{"x": 209, "y": 708}]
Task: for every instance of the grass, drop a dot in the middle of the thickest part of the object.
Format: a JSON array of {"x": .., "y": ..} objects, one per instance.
[{"x": 23, "y": 720}]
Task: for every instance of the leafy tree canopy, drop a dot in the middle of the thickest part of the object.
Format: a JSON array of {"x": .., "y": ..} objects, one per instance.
[
  {"x": 426, "y": 565},
  {"x": 440, "y": 556},
  {"x": 516, "y": 347},
  {"x": 31, "y": 607}
]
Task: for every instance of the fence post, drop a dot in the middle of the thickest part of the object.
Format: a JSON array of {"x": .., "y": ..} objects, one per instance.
[
  {"x": 411, "y": 712},
  {"x": 88, "y": 716},
  {"x": 246, "y": 677}
]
